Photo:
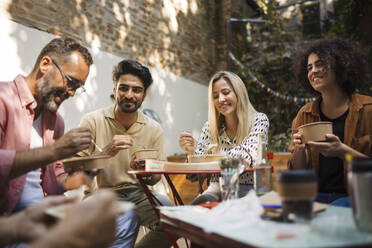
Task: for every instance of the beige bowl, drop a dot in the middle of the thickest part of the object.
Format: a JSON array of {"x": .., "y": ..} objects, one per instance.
[
  {"x": 205, "y": 158},
  {"x": 315, "y": 131},
  {"x": 88, "y": 162},
  {"x": 147, "y": 154}
]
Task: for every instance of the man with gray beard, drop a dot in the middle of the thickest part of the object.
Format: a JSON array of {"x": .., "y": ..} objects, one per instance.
[{"x": 31, "y": 130}]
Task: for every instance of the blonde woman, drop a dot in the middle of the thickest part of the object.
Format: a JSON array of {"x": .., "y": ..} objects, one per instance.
[{"x": 233, "y": 124}]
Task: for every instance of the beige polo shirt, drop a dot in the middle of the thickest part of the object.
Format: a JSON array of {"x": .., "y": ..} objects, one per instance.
[{"x": 146, "y": 133}]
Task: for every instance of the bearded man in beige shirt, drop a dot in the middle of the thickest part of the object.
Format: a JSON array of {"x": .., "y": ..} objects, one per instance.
[{"x": 122, "y": 129}]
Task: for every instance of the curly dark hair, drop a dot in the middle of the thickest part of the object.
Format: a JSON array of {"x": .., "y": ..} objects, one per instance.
[
  {"x": 342, "y": 57},
  {"x": 60, "y": 48},
  {"x": 135, "y": 68}
]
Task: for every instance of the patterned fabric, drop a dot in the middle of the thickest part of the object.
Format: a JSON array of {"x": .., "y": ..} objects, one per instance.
[{"x": 247, "y": 150}]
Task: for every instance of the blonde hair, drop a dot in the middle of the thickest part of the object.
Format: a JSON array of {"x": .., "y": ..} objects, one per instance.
[{"x": 244, "y": 110}]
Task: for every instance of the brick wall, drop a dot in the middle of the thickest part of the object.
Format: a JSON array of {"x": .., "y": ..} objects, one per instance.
[{"x": 186, "y": 37}]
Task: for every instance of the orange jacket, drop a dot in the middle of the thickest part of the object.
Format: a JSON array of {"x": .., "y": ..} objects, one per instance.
[{"x": 358, "y": 128}]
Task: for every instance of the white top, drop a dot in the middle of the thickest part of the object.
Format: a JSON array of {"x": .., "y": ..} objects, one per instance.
[
  {"x": 32, "y": 190},
  {"x": 247, "y": 150}
]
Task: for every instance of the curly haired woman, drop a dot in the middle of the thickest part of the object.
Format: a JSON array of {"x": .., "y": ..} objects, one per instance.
[{"x": 332, "y": 69}]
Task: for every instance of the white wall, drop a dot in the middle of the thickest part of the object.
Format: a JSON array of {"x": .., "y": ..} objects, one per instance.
[{"x": 180, "y": 103}]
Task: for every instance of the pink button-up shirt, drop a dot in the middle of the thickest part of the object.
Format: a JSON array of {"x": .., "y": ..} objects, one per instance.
[{"x": 17, "y": 106}]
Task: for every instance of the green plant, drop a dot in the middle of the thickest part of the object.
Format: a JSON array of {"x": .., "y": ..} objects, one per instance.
[
  {"x": 268, "y": 57},
  {"x": 267, "y": 53},
  {"x": 280, "y": 142},
  {"x": 351, "y": 20}
]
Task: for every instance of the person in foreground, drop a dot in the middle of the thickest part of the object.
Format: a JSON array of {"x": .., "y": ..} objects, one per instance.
[
  {"x": 332, "y": 69},
  {"x": 34, "y": 227},
  {"x": 233, "y": 124},
  {"x": 123, "y": 129},
  {"x": 31, "y": 130}
]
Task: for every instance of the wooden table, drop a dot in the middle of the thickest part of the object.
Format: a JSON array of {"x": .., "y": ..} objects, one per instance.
[
  {"x": 332, "y": 228},
  {"x": 176, "y": 197},
  {"x": 153, "y": 200},
  {"x": 197, "y": 234}
]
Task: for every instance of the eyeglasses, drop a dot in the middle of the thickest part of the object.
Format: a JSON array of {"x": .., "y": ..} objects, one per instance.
[{"x": 72, "y": 84}]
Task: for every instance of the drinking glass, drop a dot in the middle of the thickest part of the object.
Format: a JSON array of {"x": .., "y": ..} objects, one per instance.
[
  {"x": 229, "y": 180},
  {"x": 262, "y": 180}
]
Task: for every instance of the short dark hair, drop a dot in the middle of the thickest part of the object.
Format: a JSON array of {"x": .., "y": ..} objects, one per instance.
[
  {"x": 342, "y": 57},
  {"x": 63, "y": 47},
  {"x": 135, "y": 68}
]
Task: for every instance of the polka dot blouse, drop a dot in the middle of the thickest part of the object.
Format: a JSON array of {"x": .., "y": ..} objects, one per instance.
[{"x": 247, "y": 150}]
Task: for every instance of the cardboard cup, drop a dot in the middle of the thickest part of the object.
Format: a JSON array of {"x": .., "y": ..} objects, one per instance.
[
  {"x": 315, "y": 131},
  {"x": 297, "y": 188},
  {"x": 147, "y": 154}
]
